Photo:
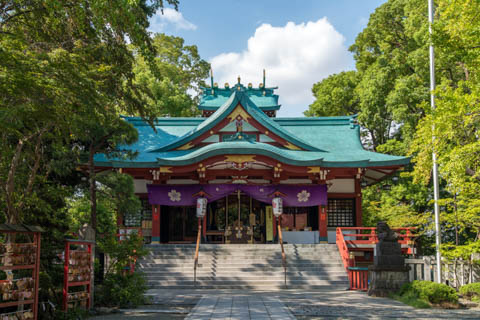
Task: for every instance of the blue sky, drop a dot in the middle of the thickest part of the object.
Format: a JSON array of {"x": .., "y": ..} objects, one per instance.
[{"x": 297, "y": 42}]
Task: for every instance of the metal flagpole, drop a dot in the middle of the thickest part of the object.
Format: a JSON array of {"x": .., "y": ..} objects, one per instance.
[{"x": 436, "y": 195}]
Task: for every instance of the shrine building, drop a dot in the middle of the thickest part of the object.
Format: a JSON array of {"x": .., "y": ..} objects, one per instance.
[{"x": 238, "y": 156}]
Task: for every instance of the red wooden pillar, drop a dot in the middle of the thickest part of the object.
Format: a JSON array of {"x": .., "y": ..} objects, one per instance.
[
  {"x": 155, "y": 224},
  {"x": 322, "y": 224},
  {"x": 358, "y": 203}
]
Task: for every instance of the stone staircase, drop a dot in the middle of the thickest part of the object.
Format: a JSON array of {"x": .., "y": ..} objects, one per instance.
[{"x": 244, "y": 266}]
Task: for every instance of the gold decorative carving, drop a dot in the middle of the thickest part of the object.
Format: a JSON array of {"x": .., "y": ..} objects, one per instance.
[
  {"x": 239, "y": 158},
  {"x": 165, "y": 169},
  {"x": 291, "y": 146},
  {"x": 186, "y": 146},
  {"x": 238, "y": 111},
  {"x": 314, "y": 169}
]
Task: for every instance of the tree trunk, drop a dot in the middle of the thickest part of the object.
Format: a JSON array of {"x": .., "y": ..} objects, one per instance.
[
  {"x": 12, "y": 216},
  {"x": 456, "y": 219},
  {"x": 93, "y": 189},
  {"x": 374, "y": 140}
]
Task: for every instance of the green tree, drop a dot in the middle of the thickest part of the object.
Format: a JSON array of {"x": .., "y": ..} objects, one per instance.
[
  {"x": 66, "y": 72},
  {"x": 392, "y": 98},
  {"x": 182, "y": 72},
  {"x": 335, "y": 96}
]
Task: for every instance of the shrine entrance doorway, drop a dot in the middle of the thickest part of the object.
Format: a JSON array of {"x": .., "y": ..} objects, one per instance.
[
  {"x": 182, "y": 224},
  {"x": 237, "y": 218}
]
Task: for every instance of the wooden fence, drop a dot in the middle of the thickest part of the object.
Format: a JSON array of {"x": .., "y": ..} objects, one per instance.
[{"x": 455, "y": 273}]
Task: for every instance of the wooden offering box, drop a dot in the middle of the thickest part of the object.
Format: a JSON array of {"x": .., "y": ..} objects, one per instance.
[
  {"x": 20, "y": 260},
  {"x": 78, "y": 267}
]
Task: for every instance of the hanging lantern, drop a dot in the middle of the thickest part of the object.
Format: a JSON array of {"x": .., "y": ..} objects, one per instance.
[
  {"x": 277, "y": 205},
  {"x": 201, "y": 207}
]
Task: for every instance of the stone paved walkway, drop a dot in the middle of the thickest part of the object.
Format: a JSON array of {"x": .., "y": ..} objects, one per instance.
[
  {"x": 240, "y": 307},
  {"x": 303, "y": 304}
]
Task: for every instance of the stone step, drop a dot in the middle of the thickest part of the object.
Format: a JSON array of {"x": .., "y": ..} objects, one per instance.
[
  {"x": 239, "y": 245},
  {"x": 246, "y": 258},
  {"x": 276, "y": 272},
  {"x": 244, "y": 267},
  {"x": 246, "y": 270},
  {"x": 233, "y": 251},
  {"x": 264, "y": 282},
  {"x": 276, "y": 287},
  {"x": 241, "y": 253},
  {"x": 239, "y": 261},
  {"x": 258, "y": 279},
  {"x": 236, "y": 252}
]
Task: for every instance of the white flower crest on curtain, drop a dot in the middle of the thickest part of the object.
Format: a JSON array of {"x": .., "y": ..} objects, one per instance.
[
  {"x": 303, "y": 196},
  {"x": 174, "y": 195}
]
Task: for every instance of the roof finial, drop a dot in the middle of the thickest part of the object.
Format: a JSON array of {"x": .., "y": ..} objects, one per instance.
[
  {"x": 238, "y": 79},
  {"x": 211, "y": 80},
  {"x": 264, "y": 78}
]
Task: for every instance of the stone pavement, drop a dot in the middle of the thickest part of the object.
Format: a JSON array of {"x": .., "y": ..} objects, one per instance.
[
  {"x": 302, "y": 304},
  {"x": 240, "y": 306}
]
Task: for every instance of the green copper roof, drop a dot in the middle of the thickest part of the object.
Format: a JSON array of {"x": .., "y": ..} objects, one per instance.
[
  {"x": 263, "y": 98},
  {"x": 338, "y": 137},
  {"x": 236, "y": 97},
  {"x": 326, "y": 141}
]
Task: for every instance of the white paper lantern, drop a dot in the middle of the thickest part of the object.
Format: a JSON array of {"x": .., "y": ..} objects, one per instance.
[
  {"x": 201, "y": 207},
  {"x": 277, "y": 205}
]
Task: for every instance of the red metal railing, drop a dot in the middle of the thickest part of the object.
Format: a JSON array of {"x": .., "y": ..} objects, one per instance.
[{"x": 358, "y": 277}]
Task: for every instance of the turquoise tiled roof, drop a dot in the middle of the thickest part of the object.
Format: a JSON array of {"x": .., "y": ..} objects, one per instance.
[
  {"x": 336, "y": 142},
  {"x": 263, "y": 98},
  {"x": 236, "y": 97}
]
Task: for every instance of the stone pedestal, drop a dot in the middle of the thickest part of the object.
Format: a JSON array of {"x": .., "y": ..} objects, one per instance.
[
  {"x": 385, "y": 280},
  {"x": 388, "y": 273}
]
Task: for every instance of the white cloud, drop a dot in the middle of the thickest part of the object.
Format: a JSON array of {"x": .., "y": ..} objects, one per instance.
[
  {"x": 170, "y": 16},
  {"x": 295, "y": 56}
]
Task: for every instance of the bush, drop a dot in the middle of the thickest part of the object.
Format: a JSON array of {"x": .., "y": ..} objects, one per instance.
[
  {"x": 431, "y": 292},
  {"x": 121, "y": 290},
  {"x": 471, "y": 291}
]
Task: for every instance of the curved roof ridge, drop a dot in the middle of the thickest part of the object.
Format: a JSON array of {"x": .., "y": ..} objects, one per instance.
[
  {"x": 293, "y": 157},
  {"x": 237, "y": 97}
]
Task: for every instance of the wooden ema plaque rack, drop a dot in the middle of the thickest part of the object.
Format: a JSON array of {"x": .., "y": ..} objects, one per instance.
[
  {"x": 77, "y": 270},
  {"x": 20, "y": 259}
]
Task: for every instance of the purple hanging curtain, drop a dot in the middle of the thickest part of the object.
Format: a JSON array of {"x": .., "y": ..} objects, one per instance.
[{"x": 186, "y": 195}]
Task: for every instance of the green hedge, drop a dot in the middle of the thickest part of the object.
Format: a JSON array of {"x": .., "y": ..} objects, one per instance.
[
  {"x": 471, "y": 291},
  {"x": 431, "y": 292},
  {"x": 121, "y": 290}
]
